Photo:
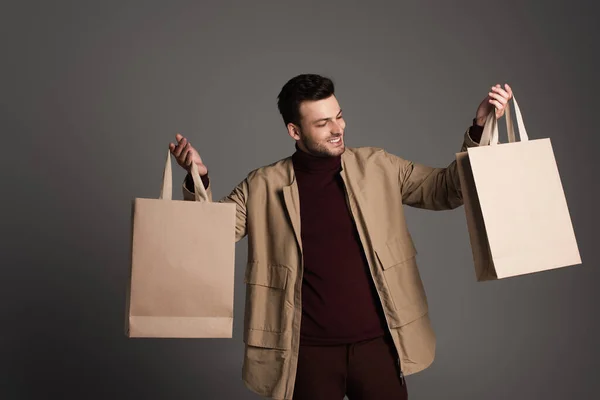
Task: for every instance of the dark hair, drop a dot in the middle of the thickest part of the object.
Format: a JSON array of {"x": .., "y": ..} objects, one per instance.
[{"x": 301, "y": 88}]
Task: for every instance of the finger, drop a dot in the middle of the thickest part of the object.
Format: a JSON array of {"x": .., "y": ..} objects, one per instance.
[
  {"x": 188, "y": 158},
  {"x": 508, "y": 89},
  {"x": 172, "y": 147},
  {"x": 178, "y": 137},
  {"x": 180, "y": 147},
  {"x": 184, "y": 153},
  {"x": 498, "y": 89},
  {"x": 497, "y": 104},
  {"x": 498, "y": 97}
]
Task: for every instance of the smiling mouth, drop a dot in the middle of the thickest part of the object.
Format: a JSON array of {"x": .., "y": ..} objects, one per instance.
[{"x": 336, "y": 140}]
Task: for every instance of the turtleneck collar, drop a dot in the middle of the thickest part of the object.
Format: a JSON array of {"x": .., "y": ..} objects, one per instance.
[{"x": 307, "y": 162}]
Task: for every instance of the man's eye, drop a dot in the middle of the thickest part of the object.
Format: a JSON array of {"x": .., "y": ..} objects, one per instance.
[{"x": 322, "y": 125}]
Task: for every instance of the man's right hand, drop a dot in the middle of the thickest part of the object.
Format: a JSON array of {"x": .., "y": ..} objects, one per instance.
[{"x": 185, "y": 154}]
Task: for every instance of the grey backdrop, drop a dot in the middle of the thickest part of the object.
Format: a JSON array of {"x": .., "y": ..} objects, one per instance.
[{"x": 92, "y": 92}]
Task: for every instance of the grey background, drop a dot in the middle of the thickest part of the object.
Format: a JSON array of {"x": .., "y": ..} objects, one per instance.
[{"x": 92, "y": 92}]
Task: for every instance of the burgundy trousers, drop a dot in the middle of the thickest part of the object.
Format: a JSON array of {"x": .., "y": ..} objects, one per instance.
[{"x": 366, "y": 370}]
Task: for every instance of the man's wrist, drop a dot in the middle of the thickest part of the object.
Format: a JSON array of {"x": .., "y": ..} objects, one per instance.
[
  {"x": 479, "y": 121},
  {"x": 476, "y": 131},
  {"x": 189, "y": 181}
]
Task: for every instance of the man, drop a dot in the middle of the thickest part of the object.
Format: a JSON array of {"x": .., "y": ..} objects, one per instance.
[{"x": 334, "y": 301}]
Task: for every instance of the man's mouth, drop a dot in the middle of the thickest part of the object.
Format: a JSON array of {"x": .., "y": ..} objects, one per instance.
[{"x": 335, "y": 140}]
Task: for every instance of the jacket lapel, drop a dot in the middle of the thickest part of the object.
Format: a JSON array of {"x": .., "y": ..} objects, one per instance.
[
  {"x": 291, "y": 200},
  {"x": 353, "y": 180}
]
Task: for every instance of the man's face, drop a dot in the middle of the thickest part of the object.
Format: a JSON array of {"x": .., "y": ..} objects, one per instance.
[{"x": 321, "y": 130}]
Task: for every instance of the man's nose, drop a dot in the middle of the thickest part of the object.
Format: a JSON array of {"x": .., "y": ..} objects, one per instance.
[{"x": 336, "y": 128}]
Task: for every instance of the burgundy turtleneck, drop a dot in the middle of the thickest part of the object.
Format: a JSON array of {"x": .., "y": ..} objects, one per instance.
[{"x": 339, "y": 301}]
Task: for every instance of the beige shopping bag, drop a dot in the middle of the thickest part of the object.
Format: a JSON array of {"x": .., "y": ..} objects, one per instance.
[
  {"x": 516, "y": 210},
  {"x": 182, "y": 265}
]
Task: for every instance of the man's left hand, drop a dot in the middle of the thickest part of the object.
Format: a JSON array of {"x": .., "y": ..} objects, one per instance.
[{"x": 497, "y": 98}]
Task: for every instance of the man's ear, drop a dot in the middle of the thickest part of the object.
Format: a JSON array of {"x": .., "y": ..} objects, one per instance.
[{"x": 294, "y": 131}]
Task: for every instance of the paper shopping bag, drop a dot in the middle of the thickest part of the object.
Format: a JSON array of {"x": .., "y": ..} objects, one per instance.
[
  {"x": 182, "y": 265},
  {"x": 516, "y": 211}
]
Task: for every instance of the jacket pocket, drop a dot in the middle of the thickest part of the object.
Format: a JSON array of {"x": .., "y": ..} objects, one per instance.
[
  {"x": 398, "y": 262},
  {"x": 268, "y": 311},
  {"x": 265, "y": 371}
]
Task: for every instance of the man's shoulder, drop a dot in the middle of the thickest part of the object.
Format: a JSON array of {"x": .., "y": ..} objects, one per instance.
[
  {"x": 279, "y": 168},
  {"x": 366, "y": 151},
  {"x": 368, "y": 154}
]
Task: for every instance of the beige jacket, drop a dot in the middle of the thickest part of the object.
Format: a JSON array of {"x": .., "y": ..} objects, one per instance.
[{"x": 378, "y": 184}]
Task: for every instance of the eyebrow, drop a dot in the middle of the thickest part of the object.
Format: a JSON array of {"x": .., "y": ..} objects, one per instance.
[{"x": 327, "y": 119}]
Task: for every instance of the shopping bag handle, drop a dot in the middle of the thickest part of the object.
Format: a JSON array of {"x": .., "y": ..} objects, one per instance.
[
  {"x": 166, "y": 191},
  {"x": 490, "y": 129}
]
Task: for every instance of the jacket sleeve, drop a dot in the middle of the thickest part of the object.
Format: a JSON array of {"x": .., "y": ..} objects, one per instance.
[
  {"x": 432, "y": 188},
  {"x": 238, "y": 196}
]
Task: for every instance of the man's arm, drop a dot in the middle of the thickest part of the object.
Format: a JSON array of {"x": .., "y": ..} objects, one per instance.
[
  {"x": 237, "y": 196},
  {"x": 189, "y": 183},
  {"x": 433, "y": 188},
  {"x": 475, "y": 131},
  {"x": 186, "y": 154},
  {"x": 439, "y": 188}
]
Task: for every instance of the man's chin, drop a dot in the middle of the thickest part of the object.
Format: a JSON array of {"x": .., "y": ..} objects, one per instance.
[
  {"x": 333, "y": 152},
  {"x": 338, "y": 150},
  {"x": 327, "y": 152}
]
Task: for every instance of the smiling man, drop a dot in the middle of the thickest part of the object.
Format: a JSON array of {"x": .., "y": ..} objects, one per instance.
[
  {"x": 335, "y": 305},
  {"x": 323, "y": 135}
]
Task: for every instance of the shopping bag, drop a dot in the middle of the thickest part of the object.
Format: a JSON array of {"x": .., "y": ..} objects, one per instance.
[
  {"x": 517, "y": 214},
  {"x": 182, "y": 265}
]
